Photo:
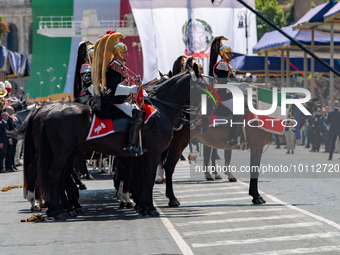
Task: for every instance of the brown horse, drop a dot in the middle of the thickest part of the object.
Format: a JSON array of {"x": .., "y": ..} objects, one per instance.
[{"x": 218, "y": 137}]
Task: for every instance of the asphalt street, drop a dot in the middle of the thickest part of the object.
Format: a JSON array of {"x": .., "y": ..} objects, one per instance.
[{"x": 301, "y": 215}]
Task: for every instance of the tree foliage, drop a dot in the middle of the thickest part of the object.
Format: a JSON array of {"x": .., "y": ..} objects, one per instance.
[
  {"x": 3, "y": 27},
  {"x": 272, "y": 11}
]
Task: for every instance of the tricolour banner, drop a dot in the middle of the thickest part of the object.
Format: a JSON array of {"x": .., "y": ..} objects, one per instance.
[
  {"x": 168, "y": 29},
  {"x": 273, "y": 122}
]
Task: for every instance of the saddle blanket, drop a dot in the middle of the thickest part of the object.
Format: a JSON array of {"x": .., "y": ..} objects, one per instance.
[{"x": 103, "y": 127}]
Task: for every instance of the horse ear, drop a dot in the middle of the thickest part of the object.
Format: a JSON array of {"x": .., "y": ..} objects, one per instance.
[
  {"x": 197, "y": 72},
  {"x": 170, "y": 74},
  {"x": 160, "y": 74}
]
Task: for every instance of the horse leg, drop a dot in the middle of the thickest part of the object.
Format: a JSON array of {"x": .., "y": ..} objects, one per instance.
[
  {"x": 227, "y": 158},
  {"x": 150, "y": 174},
  {"x": 255, "y": 158},
  {"x": 214, "y": 171},
  {"x": 55, "y": 209},
  {"x": 73, "y": 197},
  {"x": 30, "y": 178},
  {"x": 126, "y": 185},
  {"x": 77, "y": 180},
  {"x": 71, "y": 189},
  {"x": 122, "y": 201},
  {"x": 62, "y": 195},
  {"x": 207, "y": 155},
  {"x": 169, "y": 192}
]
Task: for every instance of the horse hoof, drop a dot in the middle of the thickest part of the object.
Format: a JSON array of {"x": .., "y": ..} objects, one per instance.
[
  {"x": 263, "y": 201},
  {"x": 257, "y": 201},
  {"x": 122, "y": 204},
  {"x": 153, "y": 213},
  {"x": 79, "y": 211},
  {"x": 72, "y": 214},
  {"x": 61, "y": 217},
  {"x": 82, "y": 187},
  {"x": 143, "y": 212},
  {"x": 129, "y": 205},
  {"x": 232, "y": 179},
  {"x": 218, "y": 177},
  {"x": 35, "y": 208},
  {"x": 174, "y": 203}
]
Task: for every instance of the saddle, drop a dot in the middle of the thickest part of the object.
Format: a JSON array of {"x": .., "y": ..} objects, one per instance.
[{"x": 109, "y": 119}]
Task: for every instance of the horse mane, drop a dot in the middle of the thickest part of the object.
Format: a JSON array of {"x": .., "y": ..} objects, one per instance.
[{"x": 155, "y": 89}]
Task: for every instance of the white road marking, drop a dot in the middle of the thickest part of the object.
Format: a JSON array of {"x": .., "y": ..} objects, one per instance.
[
  {"x": 277, "y": 217},
  {"x": 216, "y": 200},
  {"x": 329, "y": 222},
  {"x": 182, "y": 245},
  {"x": 209, "y": 194},
  {"x": 319, "y": 250},
  {"x": 281, "y": 226},
  {"x": 269, "y": 239},
  {"x": 199, "y": 190}
]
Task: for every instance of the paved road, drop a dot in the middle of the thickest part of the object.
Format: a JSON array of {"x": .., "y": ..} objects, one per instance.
[{"x": 300, "y": 217}]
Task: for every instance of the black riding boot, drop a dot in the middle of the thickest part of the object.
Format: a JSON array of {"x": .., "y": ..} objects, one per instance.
[
  {"x": 235, "y": 131},
  {"x": 133, "y": 149}
]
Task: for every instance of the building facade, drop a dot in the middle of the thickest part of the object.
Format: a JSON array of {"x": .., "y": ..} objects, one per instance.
[{"x": 18, "y": 15}]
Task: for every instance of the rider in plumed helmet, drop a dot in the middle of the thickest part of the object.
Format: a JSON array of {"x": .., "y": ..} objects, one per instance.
[
  {"x": 179, "y": 64},
  {"x": 110, "y": 79},
  {"x": 223, "y": 69},
  {"x": 82, "y": 77}
]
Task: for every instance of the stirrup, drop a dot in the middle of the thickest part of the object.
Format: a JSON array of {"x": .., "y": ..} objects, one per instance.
[
  {"x": 134, "y": 151},
  {"x": 233, "y": 144}
]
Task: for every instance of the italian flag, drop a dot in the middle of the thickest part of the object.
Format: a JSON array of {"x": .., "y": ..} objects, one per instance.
[{"x": 271, "y": 123}]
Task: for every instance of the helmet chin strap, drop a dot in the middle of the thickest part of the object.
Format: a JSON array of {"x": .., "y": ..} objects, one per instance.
[{"x": 121, "y": 56}]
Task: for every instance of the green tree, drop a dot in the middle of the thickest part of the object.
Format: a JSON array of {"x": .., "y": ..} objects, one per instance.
[
  {"x": 272, "y": 11},
  {"x": 3, "y": 27}
]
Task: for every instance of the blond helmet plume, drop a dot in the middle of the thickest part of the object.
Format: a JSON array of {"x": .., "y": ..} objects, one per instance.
[
  {"x": 108, "y": 52},
  {"x": 98, "y": 53}
]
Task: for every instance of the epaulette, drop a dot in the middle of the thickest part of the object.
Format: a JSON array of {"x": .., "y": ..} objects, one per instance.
[
  {"x": 117, "y": 67},
  {"x": 85, "y": 68},
  {"x": 222, "y": 65}
]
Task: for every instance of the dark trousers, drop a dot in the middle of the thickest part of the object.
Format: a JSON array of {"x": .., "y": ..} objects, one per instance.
[
  {"x": 327, "y": 139},
  {"x": 316, "y": 140},
  {"x": 3, "y": 156},
  {"x": 8, "y": 159},
  {"x": 333, "y": 140},
  {"x": 277, "y": 141}
]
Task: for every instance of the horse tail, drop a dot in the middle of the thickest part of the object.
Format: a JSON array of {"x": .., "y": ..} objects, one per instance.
[
  {"x": 44, "y": 163},
  {"x": 26, "y": 128},
  {"x": 22, "y": 129}
]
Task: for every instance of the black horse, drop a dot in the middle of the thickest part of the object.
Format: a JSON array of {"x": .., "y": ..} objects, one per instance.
[{"x": 64, "y": 128}]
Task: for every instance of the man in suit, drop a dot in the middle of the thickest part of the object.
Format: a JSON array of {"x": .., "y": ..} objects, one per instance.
[
  {"x": 9, "y": 126},
  {"x": 3, "y": 146},
  {"x": 334, "y": 126},
  {"x": 316, "y": 137},
  {"x": 10, "y": 110},
  {"x": 323, "y": 129}
]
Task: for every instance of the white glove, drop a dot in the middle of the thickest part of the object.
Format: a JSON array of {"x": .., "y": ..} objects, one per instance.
[
  {"x": 134, "y": 89},
  {"x": 145, "y": 94}
]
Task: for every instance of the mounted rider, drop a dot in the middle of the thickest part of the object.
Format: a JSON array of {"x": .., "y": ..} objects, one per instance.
[
  {"x": 82, "y": 77},
  {"x": 223, "y": 69},
  {"x": 111, "y": 80}
]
